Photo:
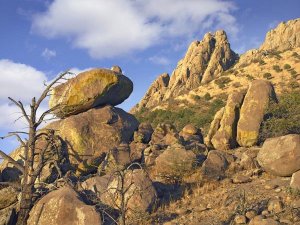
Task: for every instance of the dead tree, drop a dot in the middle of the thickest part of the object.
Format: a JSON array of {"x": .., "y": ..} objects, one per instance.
[{"x": 34, "y": 158}]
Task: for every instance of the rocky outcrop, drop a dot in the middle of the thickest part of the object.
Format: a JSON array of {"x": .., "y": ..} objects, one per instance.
[
  {"x": 285, "y": 36},
  {"x": 63, "y": 206},
  {"x": 144, "y": 133},
  {"x": 214, "y": 126},
  {"x": 280, "y": 156},
  {"x": 155, "y": 93},
  {"x": 89, "y": 135},
  {"x": 225, "y": 137},
  {"x": 90, "y": 89},
  {"x": 255, "y": 104},
  {"x": 204, "y": 61}
]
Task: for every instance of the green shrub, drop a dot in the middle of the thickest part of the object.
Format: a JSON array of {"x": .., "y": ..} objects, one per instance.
[
  {"x": 293, "y": 73},
  {"x": 296, "y": 55},
  {"x": 222, "y": 81},
  {"x": 200, "y": 117},
  {"x": 196, "y": 97},
  {"x": 267, "y": 76},
  {"x": 207, "y": 97},
  {"x": 262, "y": 62},
  {"x": 282, "y": 118},
  {"x": 293, "y": 84},
  {"x": 287, "y": 66},
  {"x": 277, "y": 68},
  {"x": 250, "y": 77}
]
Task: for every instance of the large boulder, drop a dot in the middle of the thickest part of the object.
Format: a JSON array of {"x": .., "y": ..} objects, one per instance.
[
  {"x": 144, "y": 133},
  {"x": 96, "y": 87},
  {"x": 191, "y": 134},
  {"x": 63, "y": 206},
  {"x": 138, "y": 192},
  {"x": 225, "y": 137},
  {"x": 90, "y": 135},
  {"x": 280, "y": 156},
  {"x": 255, "y": 104},
  {"x": 173, "y": 163},
  {"x": 215, "y": 165},
  {"x": 214, "y": 126}
]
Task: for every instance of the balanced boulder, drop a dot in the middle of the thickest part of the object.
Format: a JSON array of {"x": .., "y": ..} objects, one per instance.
[
  {"x": 96, "y": 87},
  {"x": 256, "y": 101},
  {"x": 63, "y": 206},
  {"x": 280, "y": 156}
]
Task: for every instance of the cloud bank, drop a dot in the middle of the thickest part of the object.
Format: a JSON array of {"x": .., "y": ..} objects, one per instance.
[{"x": 118, "y": 27}]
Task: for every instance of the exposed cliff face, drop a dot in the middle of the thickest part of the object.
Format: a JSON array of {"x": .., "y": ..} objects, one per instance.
[
  {"x": 155, "y": 93},
  {"x": 285, "y": 36},
  {"x": 204, "y": 61}
]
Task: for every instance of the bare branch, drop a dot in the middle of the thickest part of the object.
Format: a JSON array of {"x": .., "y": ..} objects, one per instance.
[
  {"x": 21, "y": 106},
  {"x": 12, "y": 161},
  {"x": 11, "y": 134}
]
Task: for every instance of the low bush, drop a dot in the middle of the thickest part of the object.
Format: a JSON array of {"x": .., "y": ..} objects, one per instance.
[
  {"x": 222, "y": 81},
  {"x": 282, "y": 118},
  {"x": 277, "y": 68},
  {"x": 267, "y": 76},
  {"x": 287, "y": 66}
]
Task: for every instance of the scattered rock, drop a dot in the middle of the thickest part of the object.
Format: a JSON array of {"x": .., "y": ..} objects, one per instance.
[
  {"x": 165, "y": 135},
  {"x": 173, "y": 164},
  {"x": 239, "y": 219},
  {"x": 63, "y": 206},
  {"x": 280, "y": 156},
  {"x": 251, "y": 214},
  {"x": 96, "y": 87},
  {"x": 275, "y": 206},
  {"x": 191, "y": 134},
  {"x": 259, "y": 220},
  {"x": 215, "y": 165},
  {"x": 295, "y": 181},
  {"x": 252, "y": 111},
  {"x": 140, "y": 195},
  {"x": 239, "y": 179},
  {"x": 144, "y": 133}
]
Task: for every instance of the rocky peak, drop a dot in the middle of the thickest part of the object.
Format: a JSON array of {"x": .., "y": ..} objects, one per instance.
[
  {"x": 155, "y": 93},
  {"x": 286, "y": 35}
]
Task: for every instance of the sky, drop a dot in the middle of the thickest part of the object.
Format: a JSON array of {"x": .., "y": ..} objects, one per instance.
[{"x": 41, "y": 38}]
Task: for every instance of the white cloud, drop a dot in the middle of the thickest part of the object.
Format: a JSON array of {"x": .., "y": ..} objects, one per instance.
[
  {"x": 112, "y": 28},
  {"x": 160, "y": 60},
  {"x": 20, "y": 81},
  {"x": 48, "y": 54}
]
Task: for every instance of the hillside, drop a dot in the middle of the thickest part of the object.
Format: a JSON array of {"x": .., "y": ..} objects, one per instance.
[{"x": 215, "y": 143}]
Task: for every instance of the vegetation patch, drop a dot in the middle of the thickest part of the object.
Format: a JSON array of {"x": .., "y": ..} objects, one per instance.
[{"x": 282, "y": 118}]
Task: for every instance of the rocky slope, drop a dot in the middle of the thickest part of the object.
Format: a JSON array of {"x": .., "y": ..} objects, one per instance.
[
  {"x": 204, "y": 70},
  {"x": 110, "y": 168}
]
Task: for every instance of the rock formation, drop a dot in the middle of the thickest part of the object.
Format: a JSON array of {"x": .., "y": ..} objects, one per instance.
[
  {"x": 204, "y": 61},
  {"x": 256, "y": 101},
  {"x": 285, "y": 36},
  {"x": 90, "y": 89}
]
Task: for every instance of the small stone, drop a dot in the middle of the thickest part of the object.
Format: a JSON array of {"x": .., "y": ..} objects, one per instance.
[
  {"x": 265, "y": 213},
  {"x": 295, "y": 181},
  {"x": 270, "y": 186},
  {"x": 239, "y": 219},
  {"x": 275, "y": 206},
  {"x": 277, "y": 190},
  {"x": 296, "y": 204},
  {"x": 238, "y": 179},
  {"x": 251, "y": 214}
]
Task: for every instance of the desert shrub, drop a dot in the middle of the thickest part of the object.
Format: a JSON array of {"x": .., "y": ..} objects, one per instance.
[
  {"x": 267, "y": 76},
  {"x": 293, "y": 73},
  {"x": 296, "y": 55},
  {"x": 222, "y": 81},
  {"x": 293, "y": 84},
  {"x": 236, "y": 72},
  {"x": 277, "y": 68},
  {"x": 250, "y": 77},
  {"x": 282, "y": 118},
  {"x": 262, "y": 62},
  {"x": 196, "y": 97},
  {"x": 207, "y": 97},
  {"x": 275, "y": 54},
  {"x": 287, "y": 66}
]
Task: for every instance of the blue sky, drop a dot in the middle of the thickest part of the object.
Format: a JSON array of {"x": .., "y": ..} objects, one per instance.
[{"x": 40, "y": 38}]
